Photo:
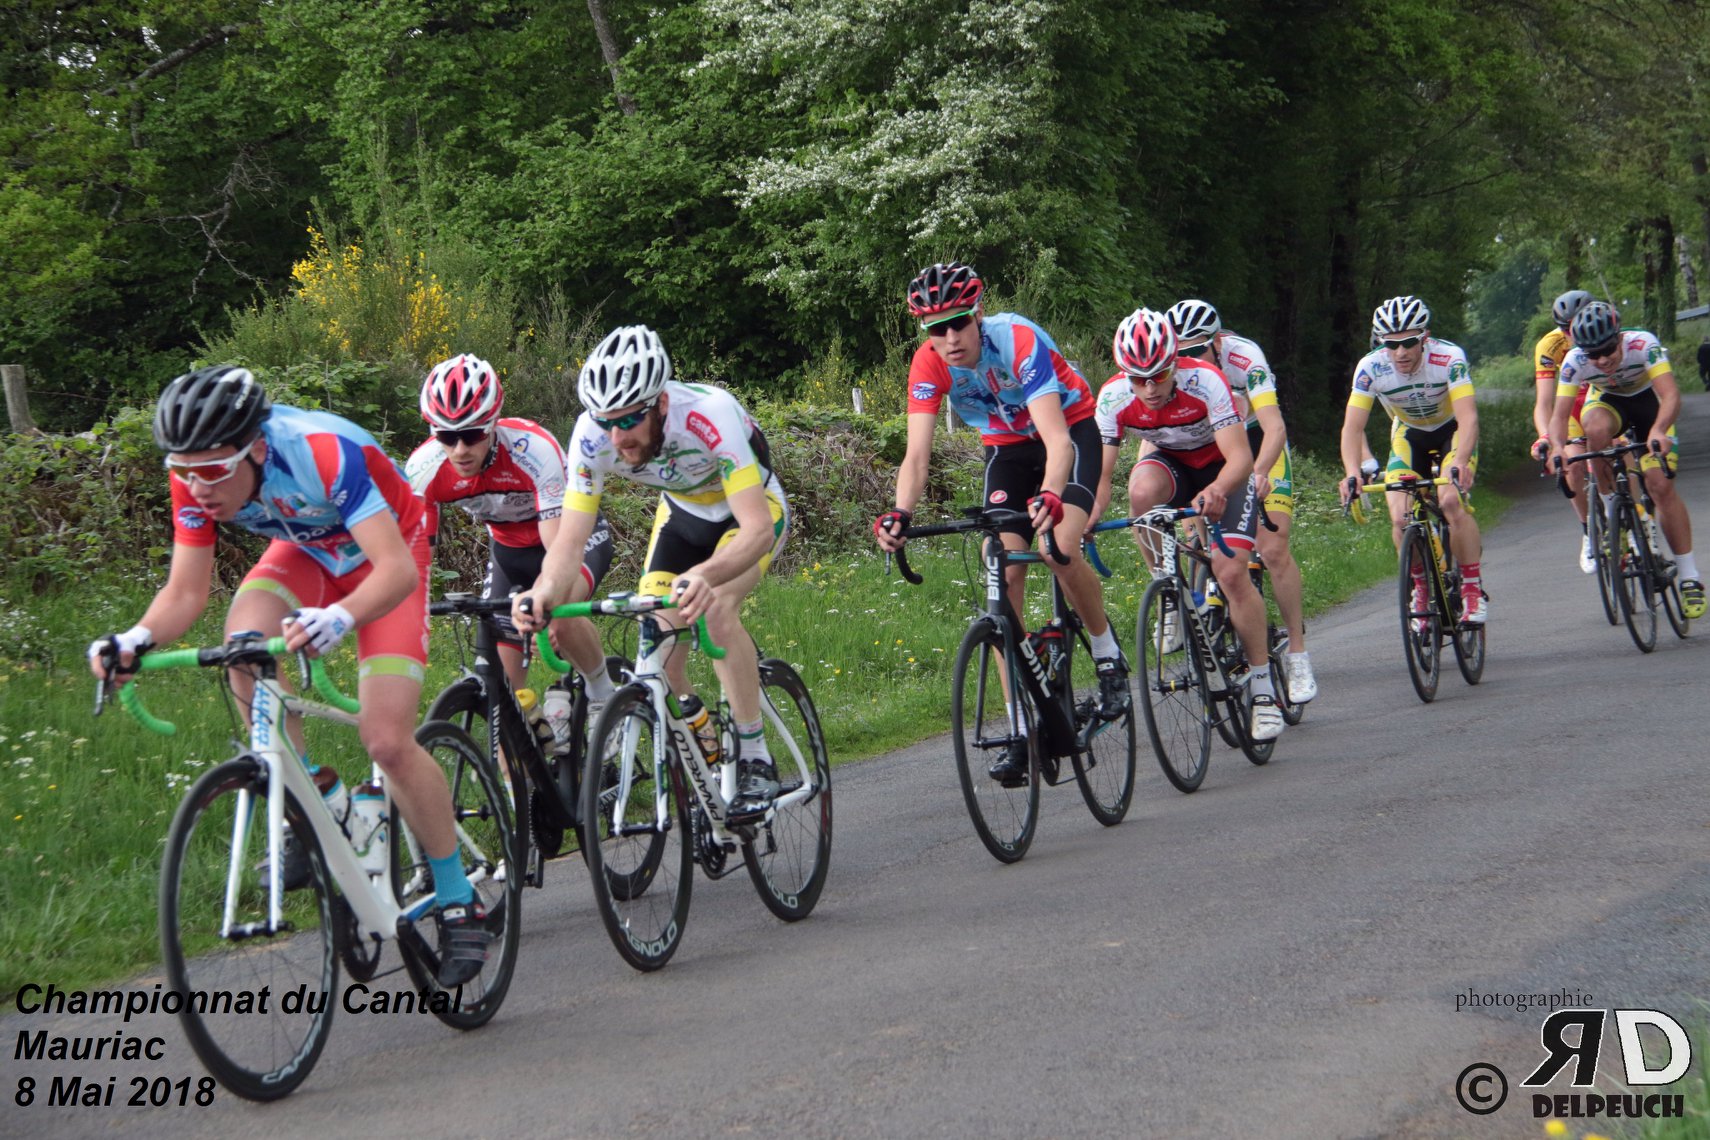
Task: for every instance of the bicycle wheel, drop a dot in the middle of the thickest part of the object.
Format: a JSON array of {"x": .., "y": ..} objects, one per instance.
[
  {"x": 565, "y": 768},
  {"x": 1667, "y": 579},
  {"x": 1226, "y": 647},
  {"x": 636, "y": 834},
  {"x": 220, "y": 830},
  {"x": 1293, "y": 712},
  {"x": 1596, "y": 529},
  {"x": 1421, "y": 627},
  {"x": 1004, "y": 817},
  {"x": 1172, "y": 688},
  {"x": 464, "y": 703},
  {"x": 1257, "y": 751},
  {"x": 790, "y": 854},
  {"x": 1104, "y": 756},
  {"x": 489, "y": 850},
  {"x": 1638, "y": 596},
  {"x": 1467, "y": 637}
]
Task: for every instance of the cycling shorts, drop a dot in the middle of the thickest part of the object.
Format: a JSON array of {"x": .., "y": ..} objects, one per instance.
[
  {"x": 1016, "y": 471},
  {"x": 1280, "y": 499},
  {"x": 511, "y": 568},
  {"x": 1240, "y": 522},
  {"x": 1414, "y": 450},
  {"x": 1637, "y": 412},
  {"x": 681, "y": 540},
  {"x": 395, "y": 644}
]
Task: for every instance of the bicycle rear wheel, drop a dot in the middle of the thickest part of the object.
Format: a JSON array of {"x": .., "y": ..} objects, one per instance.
[
  {"x": 1468, "y": 638},
  {"x": 1226, "y": 647},
  {"x": 1293, "y": 712},
  {"x": 790, "y": 854},
  {"x": 1667, "y": 578},
  {"x": 1637, "y": 592},
  {"x": 1172, "y": 688},
  {"x": 220, "y": 830},
  {"x": 1597, "y": 530},
  {"x": 1421, "y": 626},
  {"x": 1104, "y": 756},
  {"x": 636, "y": 832},
  {"x": 490, "y": 854},
  {"x": 1004, "y": 817}
]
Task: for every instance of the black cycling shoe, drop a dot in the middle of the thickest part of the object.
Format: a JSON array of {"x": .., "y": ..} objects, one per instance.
[
  {"x": 295, "y": 862},
  {"x": 1011, "y": 771},
  {"x": 756, "y": 787},
  {"x": 1114, "y": 699},
  {"x": 463, "y": 942}
]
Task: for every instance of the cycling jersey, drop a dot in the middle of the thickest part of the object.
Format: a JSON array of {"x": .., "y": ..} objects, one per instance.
[
  {"x": 1187, "y": 424},
  {"x": 712, "y": 448},
  {"x": 1423, "y": 398},
  {"x": 521, "y": 483},
  {"x": 1642, "y": 359},
  {"x": 1019, "y": 362},
  {"x": 322, "y": 475},
  {"x": 1551, "y": 351},
  {"x": 1243, "y": 364}
]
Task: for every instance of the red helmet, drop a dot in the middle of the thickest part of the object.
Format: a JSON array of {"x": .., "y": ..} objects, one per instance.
[
  {"x": 1145, "y": 344},
  {"x": 463, "y": 392},
  {"x": 940, "y": 292}
]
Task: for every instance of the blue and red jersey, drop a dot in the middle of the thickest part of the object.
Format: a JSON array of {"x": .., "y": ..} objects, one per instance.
[{"x": 1018, "y": 363}]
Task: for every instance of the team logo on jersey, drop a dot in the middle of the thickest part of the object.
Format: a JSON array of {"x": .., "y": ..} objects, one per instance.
[
  {"x": 590, "y": 447},
  {"x": 192, "y": 518},
  {"x": 1655, "y": 354},
  {"x": 1458, "y": 372},
  {"x": 702, "y": 429},
  {"x": 1439, "y": 358},
  {"x": 1635, "y": 344},
  {"x": 1004, "y": 381},
  {"x": 1240, "y": 361},
  {"x": 584, "y": 472},
  {"x": 923, "y": 391},
  {"x": 1000, "y": 497},
  {"x": 1546, "y": 361},
  {"x": 520, "y": 444}
]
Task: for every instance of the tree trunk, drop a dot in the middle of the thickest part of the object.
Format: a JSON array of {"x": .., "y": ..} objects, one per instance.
[
  {"x": 609, "y": 49},
  {"x": 1350, "y": 331},
  {"x": 1574, "y": 267},
  {"x": 1683, "y": 254},
  {"x": 1662, "y": 243},
  {"x": 1701, "y": 195},
  {"x": 17, "y": 399}
]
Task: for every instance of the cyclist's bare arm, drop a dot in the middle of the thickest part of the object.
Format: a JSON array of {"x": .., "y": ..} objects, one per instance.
[
  {"x": 1668, "y": 405},
  {"x": 179, "y": 603},
  {"x": 1053, "y": 429},
  {"x": 695, "y": 587},
  {"x": 1353, "y": 443},
  {"x": 558, "y": 570},
  {"x": 1466, "y": 440},
  {"x": 1271, "y": 446},
  {"x": 1107, "y": 472},
  {"x": 1237, "y": 459}
]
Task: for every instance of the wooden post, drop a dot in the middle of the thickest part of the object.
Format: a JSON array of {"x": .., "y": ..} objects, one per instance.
[
  {"x": 17, "y": 399},
  {"x": 860, "y": 399}
]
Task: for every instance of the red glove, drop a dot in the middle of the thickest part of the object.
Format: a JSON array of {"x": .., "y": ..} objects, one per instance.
[
  {"x": 1053, "y": 503},
  {"x": 893, "y": 522}
]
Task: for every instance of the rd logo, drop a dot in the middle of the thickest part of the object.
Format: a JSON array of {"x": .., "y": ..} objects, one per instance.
[{"x": 1588, "y": 1044}]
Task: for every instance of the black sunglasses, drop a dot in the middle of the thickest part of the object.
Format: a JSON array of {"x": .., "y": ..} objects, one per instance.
[
  {"x": 954, "y": 324},
  {"x": 1197, "y": 351},
  {"x": 1607, "y": 348},
  {"x": 470, "y": 436},
  {"x": 624, "y": 423},
  {"x": 1403, "y": 343}
]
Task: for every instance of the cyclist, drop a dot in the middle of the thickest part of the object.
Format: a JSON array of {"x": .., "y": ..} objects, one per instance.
[
  {"x": 1200, "y": 334},
  {"x": 349, "y": 552},
  {"x": 1551, "y": 351},
  {"x": 1004, "y": 376},
  {"x": 1632, "y": 387},
  {"x": 722, "y": 517},
  {"x": 509, "y": 474},
  {"x": 1183, "y": 408},
  {"x": 1425, "y": 385}
]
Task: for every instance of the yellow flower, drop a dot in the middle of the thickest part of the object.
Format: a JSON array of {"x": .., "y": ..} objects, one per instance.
[{"x": 1555, "y": 1128}]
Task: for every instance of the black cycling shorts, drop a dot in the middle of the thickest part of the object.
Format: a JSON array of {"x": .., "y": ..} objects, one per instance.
[
  {"x": 1015, "y": 472},
  {"x": 512, "y": 568},
  {"x": 1240, "y": 522}
]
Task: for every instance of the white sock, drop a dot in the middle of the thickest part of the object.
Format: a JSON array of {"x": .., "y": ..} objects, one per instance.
[
  {"x": 1104, "y": 645},
  {"x": 599, "y": 684},
  {"x": 1262, "y": 681},
  {"x": 1688, "y": 567}
]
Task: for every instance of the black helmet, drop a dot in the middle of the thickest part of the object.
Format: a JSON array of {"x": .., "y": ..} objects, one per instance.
[
  {"x": 209, "y": 408},
  {"x": 1567, "y": 305},
  {"x": 1595, "y": 325}
]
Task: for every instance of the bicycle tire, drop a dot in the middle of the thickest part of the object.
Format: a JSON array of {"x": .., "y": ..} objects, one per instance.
[
  {"x": 1173, "y": 690},
  {"x": 1596, "y": 530},
  {"x": 1258, "y": 751},
  {"x": 1638, "y": 597},
  {"x": 266, "y": 1054},
  {"x": 1105, "y": 751},
  {"x": 1466, "y": 637},
  {"x": 489, "y": 849},
  {"x": 1005, "y": 818},
  {"x": 1226, "y": 647},
  {"x": 1421, "y": 631},
  {"x": 551, "y": 810},
  {"x": 641, "y": 866},
  {"x": 1667, "y": 577},
  {"x": 1293, "y": 711},
  {"x": 790, "y": 854}
]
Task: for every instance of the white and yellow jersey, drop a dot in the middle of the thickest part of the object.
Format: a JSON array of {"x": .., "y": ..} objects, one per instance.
[
  {"x": 1423, "y": 398},
  {"x": 1249, "y": 374},
  {"x": 1642, "y": 359},
  {"x": 712, "y": 449}
]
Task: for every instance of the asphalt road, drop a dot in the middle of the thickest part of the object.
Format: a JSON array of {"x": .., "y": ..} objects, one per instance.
[{"x": 1278, "y": 955}]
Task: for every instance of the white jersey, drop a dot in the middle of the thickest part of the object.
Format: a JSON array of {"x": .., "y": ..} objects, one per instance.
[
  {"x": 1249, "y": 374},
  {"x": 1423, "y": 398},
  {"x": 707, "y": 455},
  {"x": 1641, "y": 360}
]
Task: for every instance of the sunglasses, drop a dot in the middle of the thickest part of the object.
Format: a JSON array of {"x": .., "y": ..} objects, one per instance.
[
  {"x": 1403, "y": 343},
  {"x": 468, "y": 436},
  {"x": 624, "y": 423},
  {"x": 1197, "y": 351},
  {"x": 209, "y": 471},
  {"x": 1608, "y": 348},
  {"x": 954, "y": 324},
  {"x": 1147, "y": 381}
]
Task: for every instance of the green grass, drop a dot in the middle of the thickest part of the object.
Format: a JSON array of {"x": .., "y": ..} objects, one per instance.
[{"x": 85, "y": 804}]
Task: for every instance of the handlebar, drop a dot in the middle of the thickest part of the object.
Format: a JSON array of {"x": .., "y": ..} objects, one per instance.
[
  {"x": 234, "y": 652},
  {"x": 987, "y": 519},
  {"x": 619, "y": 605},
  {"x": 1618, "y": 451}
]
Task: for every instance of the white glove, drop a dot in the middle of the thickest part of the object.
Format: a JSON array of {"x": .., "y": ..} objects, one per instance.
[
  {"x": 1369, "y": 468},
  {"x": 134, "y": 640},
  {"x": 326, "y": 627}
]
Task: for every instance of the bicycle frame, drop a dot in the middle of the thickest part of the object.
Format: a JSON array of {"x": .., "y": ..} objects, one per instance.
[{"x": 1160, "y": 526}]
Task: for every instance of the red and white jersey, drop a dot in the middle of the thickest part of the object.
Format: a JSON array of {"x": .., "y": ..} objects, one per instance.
[
  {"x": 1188, "y": 423},
  {"x": 522, "y": 482}
]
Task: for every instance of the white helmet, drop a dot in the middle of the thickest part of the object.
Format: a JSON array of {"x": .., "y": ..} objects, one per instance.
[
  {"x": 1398, "y": 314},
  {"x": 1193, "y": 319},
  {"x": 629, "y": 367}
]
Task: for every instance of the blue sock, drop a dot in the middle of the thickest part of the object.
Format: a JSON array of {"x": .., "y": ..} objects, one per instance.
[{"x": 450, "y": 886}]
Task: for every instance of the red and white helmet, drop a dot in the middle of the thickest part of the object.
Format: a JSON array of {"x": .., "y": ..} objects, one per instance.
[
  {"x": 1145, "y": 344},
  {"x": 463, "y": 392}
]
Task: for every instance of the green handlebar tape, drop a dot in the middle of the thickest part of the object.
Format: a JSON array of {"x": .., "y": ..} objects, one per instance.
[
  {"x": 324, "y": 686},
  {"x": 544, "y": 644},
  {"x": 166, "y": 659},
  {"x": 133, "y": 704},
  {"x": 588, "y": 609}
]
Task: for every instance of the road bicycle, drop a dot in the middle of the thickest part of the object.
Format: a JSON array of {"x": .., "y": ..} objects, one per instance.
[
  {"x": 1596, "y": 533},
  {"x": 1193, "y": 672},
  {"x": 1630, "y": 552},
  {"x": 1012, "y": 689},
  {"x": 655, "y": 804},
  {"x": 1227, "y": 645},
  {"x": 545, "y": 780},
  {"x": 229, "y": 930},
  {"x": 1429, "y": 582}
]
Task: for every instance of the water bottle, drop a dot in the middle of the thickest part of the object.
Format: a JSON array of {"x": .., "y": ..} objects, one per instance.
[
  {"x": 555, "y": 706},
  {"x": 368, "y": 831},
  {"x": 536, "y": 717},
  {"x": 701, "y": 725},
  {"x": 334, "y": 795}
]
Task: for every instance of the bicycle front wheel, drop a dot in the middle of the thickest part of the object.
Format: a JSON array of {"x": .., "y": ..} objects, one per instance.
[
  {"x": 790, "y": 854},
  {"x": 636, "y": 835},
  {"x": 1637, "y": 592},
  {"x": 490, "y": 854},
  {"x": 1667, "y": 576},
  {"x": 214, "y": 855},
  {"x": 1597, "y": 531},
  {"x": 1293, "y": 712},
  {"x": 1172, "y": 686},
  {"x": 1005, "y": 812},
  {"x": 1421, "y": 620},
  {"x": 1104, "y": 757}
]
